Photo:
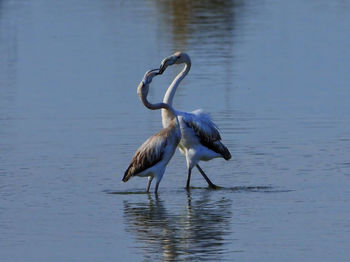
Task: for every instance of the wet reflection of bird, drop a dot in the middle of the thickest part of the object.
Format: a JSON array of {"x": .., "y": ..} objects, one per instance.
[
  {"x": 206, "y": 25},
  {"x": 196, "y": 232},
  {"x": 150, "y": 222}
]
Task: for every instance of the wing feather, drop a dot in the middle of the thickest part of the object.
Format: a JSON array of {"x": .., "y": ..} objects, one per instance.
[
  {"x": 207, "y": 132},
  {"x": 148, "y": 155},
  {"x": 202, "y": 125}
]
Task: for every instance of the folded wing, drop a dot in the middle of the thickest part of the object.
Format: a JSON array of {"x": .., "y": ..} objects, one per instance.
[
  {"x": 207, "y": 132},
  {"x": 148, "y": 155}
]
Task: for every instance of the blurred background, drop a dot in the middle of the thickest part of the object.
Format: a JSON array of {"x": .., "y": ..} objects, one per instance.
[{"x": 274, "y": 75}]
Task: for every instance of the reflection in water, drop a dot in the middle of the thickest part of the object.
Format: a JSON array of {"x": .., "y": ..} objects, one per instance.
[
  {"x": 196, "y": 231},
  {"x": 197, "y": 23}
]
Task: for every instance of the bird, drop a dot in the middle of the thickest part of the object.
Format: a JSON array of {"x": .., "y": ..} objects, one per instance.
[
  {"x": 200, "y": 137},
  {"x": 152, "y": 157}
]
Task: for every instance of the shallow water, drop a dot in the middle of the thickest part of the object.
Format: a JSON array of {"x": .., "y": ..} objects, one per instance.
[{"x": 273, "y": 75}]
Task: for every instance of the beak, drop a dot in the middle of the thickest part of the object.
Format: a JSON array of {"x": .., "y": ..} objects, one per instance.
[
  {"x": 163, "y": 66},
  {"x": 157, "y": 71},
  {"x": 153, "y": 71},
  {"x": 149, "y": 75},
  {"x": 167, "y": 62}
]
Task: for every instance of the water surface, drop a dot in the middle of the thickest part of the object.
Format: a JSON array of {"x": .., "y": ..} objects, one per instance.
[{"x": 273, "y": 75}]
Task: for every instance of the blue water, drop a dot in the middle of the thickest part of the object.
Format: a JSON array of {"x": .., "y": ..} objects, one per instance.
[{"x": 273, "y": 75}]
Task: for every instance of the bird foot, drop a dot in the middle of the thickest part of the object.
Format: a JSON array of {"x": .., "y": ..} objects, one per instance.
[{"x": 212, "y": 186}]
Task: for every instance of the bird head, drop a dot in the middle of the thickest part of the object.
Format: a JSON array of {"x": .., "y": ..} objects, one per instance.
[
  {"x": 176, "y": 58},
  {"x": 143, "y": 88}
]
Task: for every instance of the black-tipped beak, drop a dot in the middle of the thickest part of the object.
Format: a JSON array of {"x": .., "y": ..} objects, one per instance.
[
  {"x": 161, "y": 70},
  {"x": 162, "y": 67},
  {"x": 167, "y": 62},
  {"x": 154, "y": 71}
]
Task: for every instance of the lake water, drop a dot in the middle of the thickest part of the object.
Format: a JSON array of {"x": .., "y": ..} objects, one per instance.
[{"x": 273, "y": 74}]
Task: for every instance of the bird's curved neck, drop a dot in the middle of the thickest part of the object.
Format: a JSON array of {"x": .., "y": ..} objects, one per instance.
[
  {"x": 151, "y": 106},
  {"x": 170, "y": 93},
  {"x": 167, "y": 115},
  {"x": 164, "y": 106}
]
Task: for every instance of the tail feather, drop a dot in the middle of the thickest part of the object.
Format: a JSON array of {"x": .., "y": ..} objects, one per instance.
[
  {"x": 127, "y": 174},
  {"x": 221, "y": 149},
  {"x": 225, "y": 152}
]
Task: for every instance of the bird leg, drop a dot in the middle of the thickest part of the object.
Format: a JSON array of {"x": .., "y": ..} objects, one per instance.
[
  {"x": 211, "y": 185},
  {"x": 188, "y": 179},
  {"x": 150, "y": 178},
  {"x": 156, "y": 188}
]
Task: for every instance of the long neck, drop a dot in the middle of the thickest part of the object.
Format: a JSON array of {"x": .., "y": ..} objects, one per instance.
[
  {"x": 167, "y": 115},
  {"x": 155, "y": 106},
  {"x": 170, "y": 93},
  {"x": 165, "y": 107}
]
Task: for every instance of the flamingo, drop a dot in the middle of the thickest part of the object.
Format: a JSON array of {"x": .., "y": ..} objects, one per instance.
[
  {"x": 200, "y": 137},
  {"x": 152, "y": 157}
]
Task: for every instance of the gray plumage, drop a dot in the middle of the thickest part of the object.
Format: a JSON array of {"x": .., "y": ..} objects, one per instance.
[
  {"x": 153, "y": 150},
  {"x": 152, "y": 157}
]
